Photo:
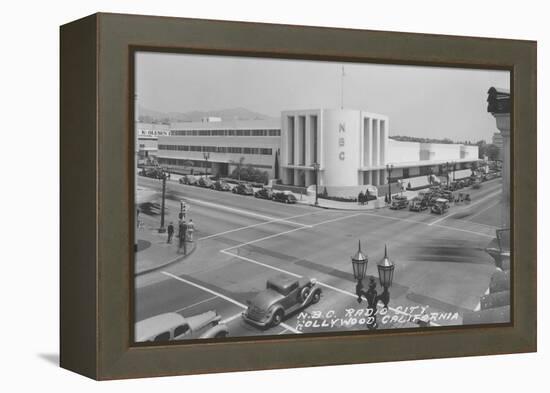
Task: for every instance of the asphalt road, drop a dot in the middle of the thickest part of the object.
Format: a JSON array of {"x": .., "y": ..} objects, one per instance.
[{"x": 242, "y": 241}]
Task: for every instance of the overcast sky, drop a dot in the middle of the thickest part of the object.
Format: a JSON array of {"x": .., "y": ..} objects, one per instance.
[{"x": 431, "y": 102}]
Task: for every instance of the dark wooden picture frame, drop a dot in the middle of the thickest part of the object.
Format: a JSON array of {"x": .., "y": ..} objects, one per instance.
[{"x": 97, "y": 186}]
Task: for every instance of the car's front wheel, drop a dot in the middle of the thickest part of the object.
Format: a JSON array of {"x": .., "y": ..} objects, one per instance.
[{"x": 277, "y": 318}]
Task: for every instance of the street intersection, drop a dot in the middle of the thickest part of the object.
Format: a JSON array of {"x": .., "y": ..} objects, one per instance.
[{"x": 240, "y": 242}]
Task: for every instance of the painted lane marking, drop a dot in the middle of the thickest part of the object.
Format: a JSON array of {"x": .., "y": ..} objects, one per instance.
[
  {"x": 465, "y": 230},
  {"x": 465, "y": 208},
  {"x": 484, "y": 210},
  {"x": 290, "y": 231},
  {"x": 230, "y": 300},
  {"x": 254, "y": 225},
  {"x": 232, "y": 318},
  {"x": 427, "y": 224},
  {"x": 242, "y": 212},
  {"x": 196, "y": 304},
  {"x": 260, "y": 263}
]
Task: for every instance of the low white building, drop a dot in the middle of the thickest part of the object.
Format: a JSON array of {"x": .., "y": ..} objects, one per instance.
[
  {"x": 352, "y": 148},
  {"x": 218, "y": 147},
  {"x": 147, "y": 139}
]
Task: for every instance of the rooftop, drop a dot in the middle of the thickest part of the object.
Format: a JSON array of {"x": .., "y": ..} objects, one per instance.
[{"x": 237, "y": 124}]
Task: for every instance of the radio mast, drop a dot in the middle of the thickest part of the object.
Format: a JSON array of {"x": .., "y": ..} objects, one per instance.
[{"x": 342, "y": 88}]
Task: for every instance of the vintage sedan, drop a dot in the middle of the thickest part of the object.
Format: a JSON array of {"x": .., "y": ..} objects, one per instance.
[
  {"x": 221, "y": 185},
  {"x": 284, "y": 197},
  {"x": 243, "y": 189},
  {"x": 264, "y": 193},
  {"x": 440, "y": 206},
  {"x": 282, "y": 297},
  {"x": 205, "y": 182},
  {"x": 173, "y": 326},
  {"x": 399, "y": 202},
  {"x": 418, "y": 204}
]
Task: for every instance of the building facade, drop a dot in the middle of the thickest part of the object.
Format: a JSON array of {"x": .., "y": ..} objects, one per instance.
[
  {"x": 351, "y": 147},
  {"x": 217, "y": 147},
  {"x": 147, "y": 135}
]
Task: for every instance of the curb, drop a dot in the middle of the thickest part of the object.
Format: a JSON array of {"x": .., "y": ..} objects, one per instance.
[
  {"x": 341, "y": 209},
  {"x": 170, "y": 262}
]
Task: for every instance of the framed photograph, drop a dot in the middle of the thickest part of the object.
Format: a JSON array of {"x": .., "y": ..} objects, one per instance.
[{"x": 242, "y": 196}]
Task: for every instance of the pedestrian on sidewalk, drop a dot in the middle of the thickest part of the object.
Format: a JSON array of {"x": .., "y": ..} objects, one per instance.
[
  {"x": 182, "y": 235},
  {"x": 360, "y": 198},
  {"x": 170, "y": 231},
  {"x": 190, "y": 230}
]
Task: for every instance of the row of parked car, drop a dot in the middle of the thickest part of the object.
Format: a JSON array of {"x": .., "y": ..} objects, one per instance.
[
  {"x": 434, "y": 201},
  {"x": 438, "y": 198},
  {"x": 240, "y": 188}
]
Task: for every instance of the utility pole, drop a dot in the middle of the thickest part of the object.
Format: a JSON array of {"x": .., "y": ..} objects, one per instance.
[
  {"x": 389, "y": 168},
  {"x": 162, "y": 229}
]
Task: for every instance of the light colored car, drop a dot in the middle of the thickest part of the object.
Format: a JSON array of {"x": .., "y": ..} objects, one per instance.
[
  {"x": 282, "y": 297},
  {"x": 173, "y": 326}
]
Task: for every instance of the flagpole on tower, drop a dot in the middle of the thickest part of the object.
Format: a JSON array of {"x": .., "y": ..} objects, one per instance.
[{"x": 342, "y": 89}]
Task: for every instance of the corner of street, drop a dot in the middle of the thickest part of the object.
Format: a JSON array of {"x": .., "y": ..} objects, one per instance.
[{"x": 154, "y": 251}]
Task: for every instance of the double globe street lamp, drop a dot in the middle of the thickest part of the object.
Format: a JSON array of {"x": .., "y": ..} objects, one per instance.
[{"x": 385, "y": 275}]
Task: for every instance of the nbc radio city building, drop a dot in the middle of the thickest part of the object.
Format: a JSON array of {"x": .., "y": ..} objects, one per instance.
[{"x": 352, "y": 148}]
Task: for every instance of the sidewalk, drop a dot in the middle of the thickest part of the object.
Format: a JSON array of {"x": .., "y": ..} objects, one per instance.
[
  {"x": 154, "y": 252},
  {"x": 352, "y": 206}
]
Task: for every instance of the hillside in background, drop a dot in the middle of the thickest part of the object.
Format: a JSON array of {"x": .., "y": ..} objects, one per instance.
[{"x": 152, "y": 116}]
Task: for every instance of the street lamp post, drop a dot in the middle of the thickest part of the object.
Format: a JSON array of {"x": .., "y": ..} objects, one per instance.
[
  {"x": 389, "y": 168},
  {"x": 206, "y": 156},
  {"x": 162, "y": 229},
  {"x": 316, "y": 167},
  {"x": 385, "y": 275},
  {"x": 454, "y": 169}
]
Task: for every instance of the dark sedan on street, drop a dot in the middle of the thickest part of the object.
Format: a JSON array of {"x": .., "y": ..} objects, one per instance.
[
  {"x": 205, "y": 182},
  {"x": 399, "y": 202},
  {"x": 284, "y": 197},
  {"x": 243, "y": 189},
  {"x": 440, "y": 206},
  {"x": 221, "y": 185},
  {"x": 264, "y": 193},
  {"x": 418, "y": 204}
]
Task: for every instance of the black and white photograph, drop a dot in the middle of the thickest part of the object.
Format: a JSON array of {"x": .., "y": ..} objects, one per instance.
[
  {"x": 275, "y": 197},
  {"x": 289, "y": 197}
]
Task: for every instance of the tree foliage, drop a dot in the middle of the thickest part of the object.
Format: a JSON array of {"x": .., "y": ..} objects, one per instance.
[
  {"x": 251, "y": 174},
  {"x": 488, "y": 149}
]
